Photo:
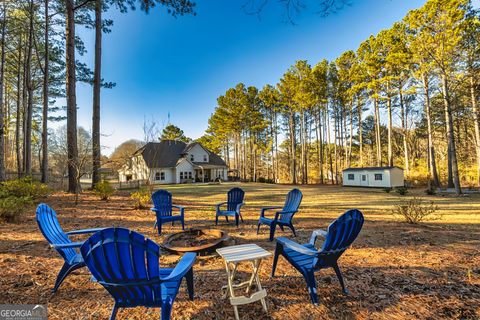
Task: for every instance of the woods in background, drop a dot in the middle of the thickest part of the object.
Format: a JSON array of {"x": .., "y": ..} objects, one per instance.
[
  {"x": 39, "y": 68},
  {"x": 407, "y": 96}
]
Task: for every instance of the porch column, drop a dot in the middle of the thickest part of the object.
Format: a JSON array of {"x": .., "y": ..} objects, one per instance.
[{"x": 203, "y": 174}]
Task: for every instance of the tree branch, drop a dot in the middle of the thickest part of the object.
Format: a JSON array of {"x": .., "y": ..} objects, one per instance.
[{"x": 84, "y": 3}]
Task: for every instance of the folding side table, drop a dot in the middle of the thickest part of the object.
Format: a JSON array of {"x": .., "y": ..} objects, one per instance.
[{"x": 232, "y": 256}]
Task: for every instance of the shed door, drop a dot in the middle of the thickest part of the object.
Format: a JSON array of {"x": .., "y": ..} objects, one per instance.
[{"x": 364, "y": 179}]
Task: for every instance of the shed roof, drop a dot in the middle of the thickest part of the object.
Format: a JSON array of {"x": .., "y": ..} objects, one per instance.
[{"x": 372, "y": 168}]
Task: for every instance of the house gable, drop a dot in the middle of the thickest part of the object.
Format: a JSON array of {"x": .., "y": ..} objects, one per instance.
[{"x": 197, "y": 153}]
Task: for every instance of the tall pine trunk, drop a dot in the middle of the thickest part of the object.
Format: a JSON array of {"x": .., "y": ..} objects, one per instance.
[
  {"x": 2, "y": 78},
  {"x": 329, "y": 143},
  {"x": 29, "y": 111},
  {"x": 272, "y": 159},
  {"x": 350, "y": 138},
  {"x": 72, "y": 147},
  {"x": 97, "y": 83},
  {"x": 24, "y": 104},
  {"x": 378, "y": 139},
  {"x": 45, "y": 101},
  {"x": 404, "y": 114},
  {"x": 452, "y": 152},
  {"x": 360, "y": 132},
  {"x": 318, "y": 132},
  {"x": 476, "y": 125},
  {"x": 431, "y": 149},
  {"x": 303, "y": 134},
  {"x": 293, "y": 147},
  {"x": 276, "y": 150},
  {"x": 390, "y": 147},
  {"x": 335, "y": 142},
  {"x": 18, "y": 127}
]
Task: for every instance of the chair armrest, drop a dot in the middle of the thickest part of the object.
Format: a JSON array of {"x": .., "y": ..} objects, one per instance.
[
  {"x": 263, "y": 209},
  {"x": 316, "y": 234},
  {"x": 239, "y": 206},
  {"x": 67, "y": 245},
  {"x": 181, "y": 208},
  {"x": 295, "y": 246},
  {"x": 153, "y": 209},
  {"x": 83, "y": 231},
  {"x": 182, "y": 267},
  {"x": 220, "y": 204},
  {"x": 278, "y": 213}
]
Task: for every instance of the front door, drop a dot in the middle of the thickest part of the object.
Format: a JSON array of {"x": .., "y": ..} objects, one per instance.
[{"x": 364, "y": 180}]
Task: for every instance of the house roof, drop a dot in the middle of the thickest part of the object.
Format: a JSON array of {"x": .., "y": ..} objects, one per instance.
[
  {"x": 168, "y": 153},
  {"x": 372, "y": 168}
]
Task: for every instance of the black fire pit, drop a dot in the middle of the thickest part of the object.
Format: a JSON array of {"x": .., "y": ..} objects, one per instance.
[{"x": 200, "y": 241}]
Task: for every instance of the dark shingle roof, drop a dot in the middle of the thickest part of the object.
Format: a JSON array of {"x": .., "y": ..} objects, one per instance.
[
  {"x": 162, "y": 154},
  {"x": 215, "y": 159},
  {"x": 372, "y": 168},
  {"x": 167, "y": 153}
]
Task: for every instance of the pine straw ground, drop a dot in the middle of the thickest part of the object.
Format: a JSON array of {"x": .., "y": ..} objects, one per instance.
[{"x": 393, "y": 271}]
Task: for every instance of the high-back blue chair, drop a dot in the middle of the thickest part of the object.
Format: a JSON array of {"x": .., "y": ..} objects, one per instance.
[
  {"x": 163, "y": 207},
  {"x": 307, "y": 259},
  {"x": 283, "y": 218},
  {"x": 127, "y": 265},
  {"x": 233, "y": 204},
  {"x": 52, "y": 231}
]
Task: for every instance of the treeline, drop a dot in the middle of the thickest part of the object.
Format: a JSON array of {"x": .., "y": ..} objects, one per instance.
[
  {"x": 407, "y": 96},
  {"x": 39, "y": 69}
]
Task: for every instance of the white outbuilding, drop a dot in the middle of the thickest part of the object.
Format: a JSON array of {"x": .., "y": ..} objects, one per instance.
[{"x": 375, "y": 177}]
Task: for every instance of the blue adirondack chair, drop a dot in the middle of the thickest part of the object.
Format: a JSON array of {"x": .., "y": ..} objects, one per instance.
[
  {"x": 126, "y": 264},
  {"x": 283, "y": 218},
  {"x": 59, "y": 240},
  {"x": 163, "y": 207},
  {"x": 307, "y": 259},
  {"x": 234, "y": 203}
]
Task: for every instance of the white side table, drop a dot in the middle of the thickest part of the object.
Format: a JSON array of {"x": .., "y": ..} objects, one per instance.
[{"x": 232, "y": 256}]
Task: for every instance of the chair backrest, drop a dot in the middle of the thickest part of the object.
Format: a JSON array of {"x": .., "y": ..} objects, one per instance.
[
  {"x": 234, "y": 198},
  {"x": 52, "y": 231},
  {"x": 127, "y": 259},
  {"x": 342, "y": 232},
  {"x": 293, "y": 200},
  {"x": 162, "y": 201}
]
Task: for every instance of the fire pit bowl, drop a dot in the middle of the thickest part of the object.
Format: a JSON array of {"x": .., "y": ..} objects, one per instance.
[{"x": 201, "y": 241}]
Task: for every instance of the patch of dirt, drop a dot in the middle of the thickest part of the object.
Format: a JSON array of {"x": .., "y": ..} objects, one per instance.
[{"x": 393, "y": 271}]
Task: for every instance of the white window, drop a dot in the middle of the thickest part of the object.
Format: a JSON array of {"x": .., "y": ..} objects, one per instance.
[
  {"x": 157, "y": 176},
  {"x": 192, "y": 157},
  {"x": 181, "y": 175},
  {"x": 190, "y": 175},
  {"x": 378, "y": 176},
  {"x": 162, "y": 175},
  {"x": 205, "y": 158},
  {"x": 351, "y": 176},
  {"x": 364, "y": 177}
]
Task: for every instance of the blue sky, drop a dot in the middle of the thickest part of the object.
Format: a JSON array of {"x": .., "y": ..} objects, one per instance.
[{"x": 180, "y": 66}]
